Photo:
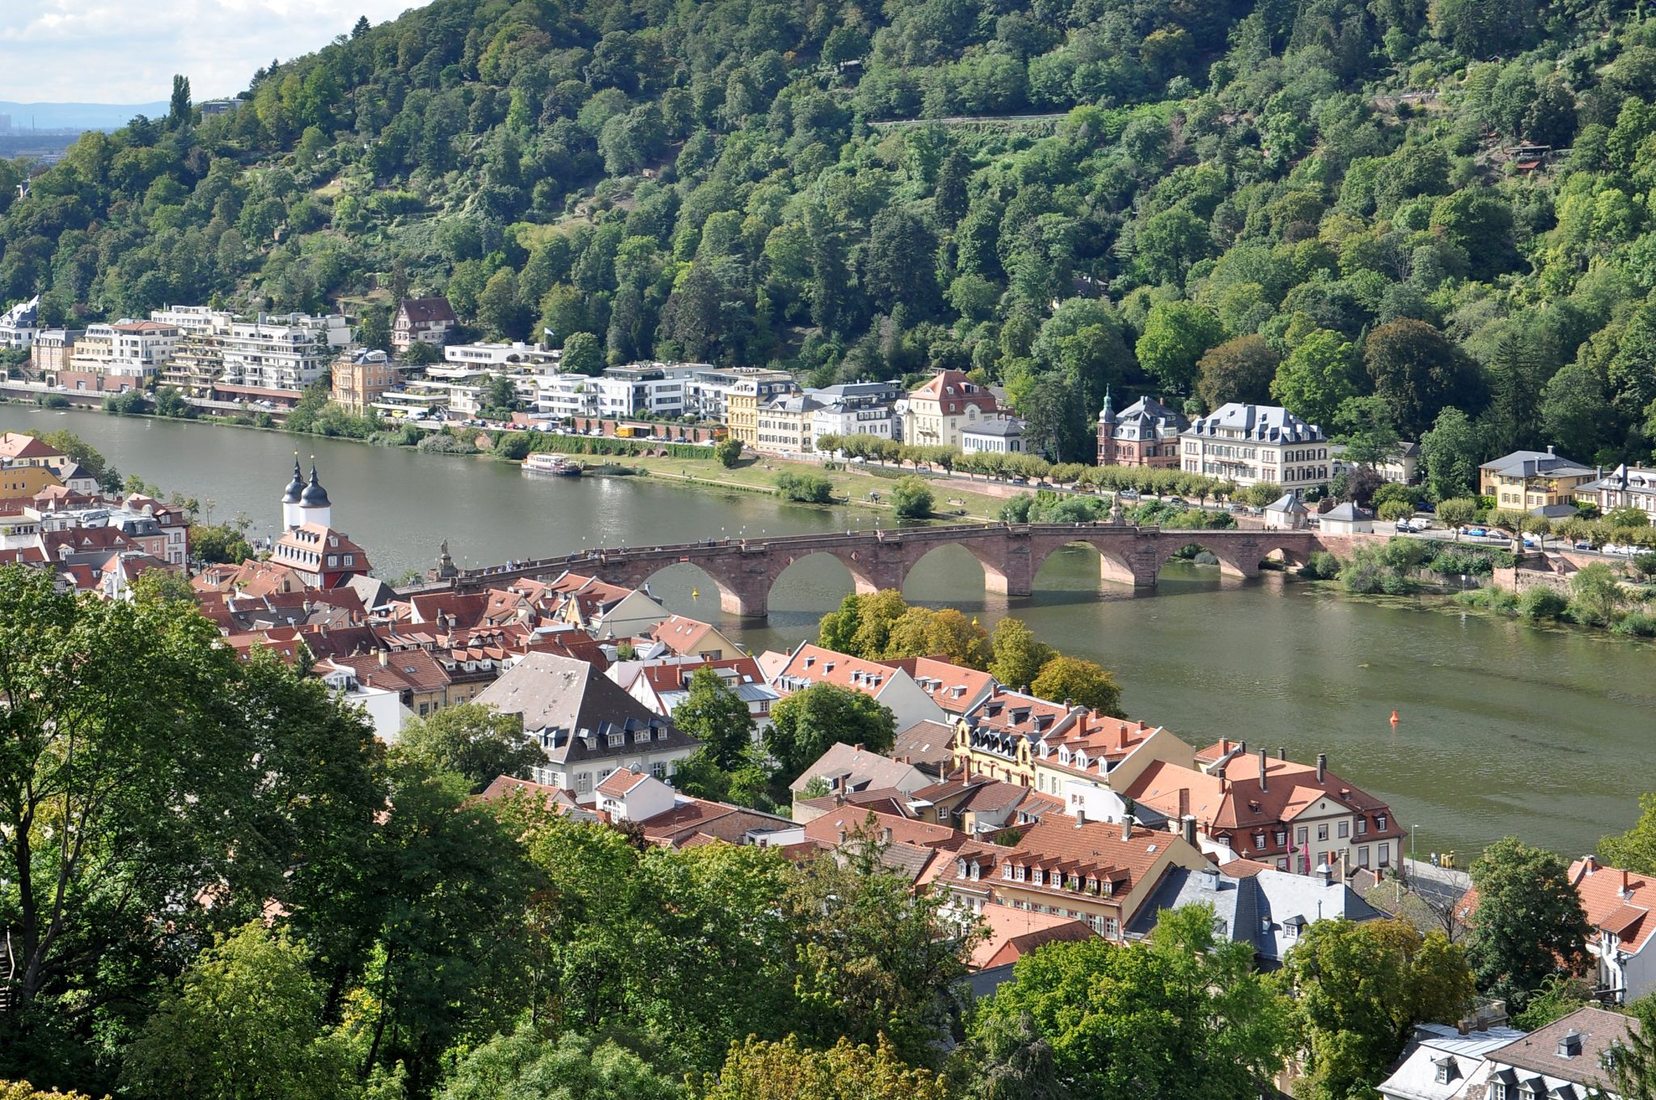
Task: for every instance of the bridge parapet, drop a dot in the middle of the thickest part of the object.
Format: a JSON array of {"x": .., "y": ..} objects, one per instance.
[{"x": 1011, "y": 555}]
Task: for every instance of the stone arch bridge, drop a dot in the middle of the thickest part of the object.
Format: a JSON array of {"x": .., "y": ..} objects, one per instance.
[{"x": 1011, "y": 555}]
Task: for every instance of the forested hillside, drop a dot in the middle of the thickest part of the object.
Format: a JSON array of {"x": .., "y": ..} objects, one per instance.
[{"x": 1317, "y": 201}]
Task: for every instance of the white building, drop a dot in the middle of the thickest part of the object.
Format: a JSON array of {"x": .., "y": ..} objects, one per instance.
[
  {"x": 283, "y": 353},
  {"x": 124, "y": 355},
  {"x": 586, "y": 725},
  {"x": 1624, "y": 487},
  {"x": 497, "y": 357},
  {"x": 1444, "y": 1061},
  {"x": 619, "y": 393},
  {"x": 1249, "y": 444},
  {"x": 20, "y": 324},
  {"x": 997, "y": 434},
  {"x": 854, "y": 408},
  {"x": 1346, "y": 519}
]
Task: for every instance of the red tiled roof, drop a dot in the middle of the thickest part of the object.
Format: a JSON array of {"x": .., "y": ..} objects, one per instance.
[
  {"x": 1625, "y": 915},
  {"x": 15, "y": 445},
  {"x": 681, "y": 634},
  {"x": 812, "y": 664},
  {"x": 850, "y": 819},
  {"x": 1014, "y": 933},
  {"x": 620, "y": 781},
  {"x": 950, "y": 686}
]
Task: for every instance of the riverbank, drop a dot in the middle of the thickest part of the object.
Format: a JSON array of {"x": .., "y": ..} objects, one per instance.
[{"x": 857, "y": 486}]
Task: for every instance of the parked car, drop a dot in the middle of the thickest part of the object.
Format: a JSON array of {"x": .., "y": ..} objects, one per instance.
[
  {"x": 1583, "y": 544},
  {"x": 1178, "y": 502},
  {"x": 1475, "y": 532},
  {"x": 1128, "y": 494}
]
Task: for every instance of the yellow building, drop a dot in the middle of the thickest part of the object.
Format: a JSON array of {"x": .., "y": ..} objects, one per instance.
[
  {"x": 1526, "y": 480},
  {"x": 361, "y": 379},
  {"x": 19, "y": 482},
  {"x": 937, "y": 412},
  {"x": 756, "y": 389}
]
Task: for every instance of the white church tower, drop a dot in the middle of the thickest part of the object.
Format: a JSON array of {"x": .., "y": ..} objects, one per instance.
[
  {"x": 292, "y": 514},
  {"x": 314, "y": 505}
]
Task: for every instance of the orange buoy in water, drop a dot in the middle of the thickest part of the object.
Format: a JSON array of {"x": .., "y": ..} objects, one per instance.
[{"x": 1394, "y": 718}]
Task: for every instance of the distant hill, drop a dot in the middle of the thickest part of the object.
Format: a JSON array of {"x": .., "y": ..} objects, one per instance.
[
  {"x": 1369, "y": 212},
  {"x": 77, "y": 116}
]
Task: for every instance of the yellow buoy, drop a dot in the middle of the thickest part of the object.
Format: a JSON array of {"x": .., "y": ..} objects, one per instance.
[{"x": 695, "y": 593}]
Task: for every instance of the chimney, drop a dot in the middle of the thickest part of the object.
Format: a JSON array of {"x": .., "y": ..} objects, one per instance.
[
  {"x": 1184, "y": 802},
  {"x": 1589, "y": 864},
  {"x": 1549, "y": 448},
  {"x": 858, "y": 746},
  {"x": 1188, "y": 822},
  {"x": 385, "y": 658},
  {"x": 1241, "y": 748},
  {"x": 1080, "y": 816},
  {"x": 1322, "y": 766},
  {"x": 1263, "y": 778},
  {"x": 1127, "y": 827},
  {"x": 1224, "y": 745},
  {"x": 1626, "y": 890}
]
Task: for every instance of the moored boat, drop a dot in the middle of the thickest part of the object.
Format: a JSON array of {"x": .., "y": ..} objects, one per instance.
[{"x": 555, "y": 465}]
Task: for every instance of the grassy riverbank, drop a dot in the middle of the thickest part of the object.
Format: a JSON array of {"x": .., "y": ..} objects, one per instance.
[{"x": 958, "y": 499}]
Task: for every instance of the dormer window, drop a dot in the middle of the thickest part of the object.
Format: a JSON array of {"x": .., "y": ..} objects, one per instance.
[
  {"x": 1380, "y": 822},
  {"x": 1447, "y": 1070},
  {"x": 1006, "y": 871}
]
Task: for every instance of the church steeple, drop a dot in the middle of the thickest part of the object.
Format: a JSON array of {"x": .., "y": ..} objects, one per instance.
[
  {"x": 314, "y": 505},
  {"x": 1106, "y": 432},
  {"x": 292, "y": 513}
]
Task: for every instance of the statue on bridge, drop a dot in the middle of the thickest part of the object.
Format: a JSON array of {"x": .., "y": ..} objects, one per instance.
[{"x": 446, "y": 569}]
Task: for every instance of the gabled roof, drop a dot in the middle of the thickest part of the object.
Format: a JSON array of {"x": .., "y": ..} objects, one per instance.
[
  {"x": 573, "y": 710},
  {"x": 619, "y": 782},
  {"x": 811, "y": 664},
  {"x": 16, "y": 445},
  {"x": 682, "y": 634},
  {"x": 1013, "y": 933},
  {"x": 1625, "y": 915},
  {"x": 951, "y": 686},
  {"x": 852, "y": 767},
  {"x": 1596, "y": 1030},
  {"x": 427, "y": 311}
]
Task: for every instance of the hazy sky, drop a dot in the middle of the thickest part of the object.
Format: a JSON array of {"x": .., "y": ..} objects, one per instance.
[{"x": 126, "y": 51}]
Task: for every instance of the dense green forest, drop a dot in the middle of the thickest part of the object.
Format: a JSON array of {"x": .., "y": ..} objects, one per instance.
[{"x": 1317, "y": 201}]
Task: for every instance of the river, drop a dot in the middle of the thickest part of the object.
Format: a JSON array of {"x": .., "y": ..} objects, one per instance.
[{"x": 1546, "y": 734}]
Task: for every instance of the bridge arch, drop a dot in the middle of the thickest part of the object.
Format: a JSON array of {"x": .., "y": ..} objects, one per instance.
[
  {"x": 1236, "y": 560},
  {"x": 694, "y": 585},
  {"x": 1114, "y": 557},
  {"x": 956, "y": 560},
  {"x": 850, "y": 573}
]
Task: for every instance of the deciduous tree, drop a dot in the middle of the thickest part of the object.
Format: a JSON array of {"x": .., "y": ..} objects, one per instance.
[
  {"x": 473, "y": 741},
  {"x": 1083, "y": 683},
  {"x": 713, "y": 714},
  {"x": 1529, "y": 922},
  {"x": 807, "y": 723}
]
